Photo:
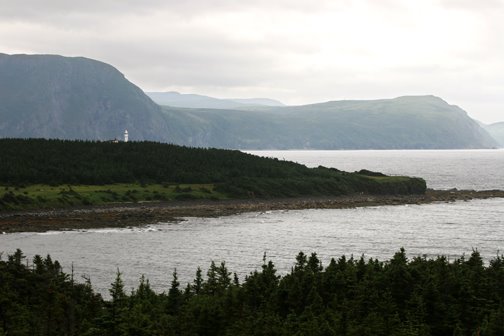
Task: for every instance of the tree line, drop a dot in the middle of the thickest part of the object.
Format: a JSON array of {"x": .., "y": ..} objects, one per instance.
[
  {"x": 56, "y": 162},
  {"x": 347, "y": 297}
]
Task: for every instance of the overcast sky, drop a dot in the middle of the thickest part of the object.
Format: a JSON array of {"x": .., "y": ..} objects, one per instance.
[{"x": 296, "y": 51}]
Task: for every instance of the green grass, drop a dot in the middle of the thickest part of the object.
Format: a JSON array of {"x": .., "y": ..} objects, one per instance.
[{"x": 45, "y": 196}]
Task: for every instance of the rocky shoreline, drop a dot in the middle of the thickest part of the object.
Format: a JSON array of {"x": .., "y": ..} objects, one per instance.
[{"x": 138, "y": 214}]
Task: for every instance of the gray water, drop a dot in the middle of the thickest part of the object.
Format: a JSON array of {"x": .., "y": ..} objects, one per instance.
[
  {"x": 450, "y": 229},
  {"x": 442, "y": 169}
]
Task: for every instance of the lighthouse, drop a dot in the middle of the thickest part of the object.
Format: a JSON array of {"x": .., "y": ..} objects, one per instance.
[{"x": 125, "y": 135}]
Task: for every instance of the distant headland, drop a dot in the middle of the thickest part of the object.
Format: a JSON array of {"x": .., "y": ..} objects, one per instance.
[{"x": 51, "y": 96}]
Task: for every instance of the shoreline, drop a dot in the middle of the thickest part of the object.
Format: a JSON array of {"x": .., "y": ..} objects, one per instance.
[{"x": 140, "y": 214}]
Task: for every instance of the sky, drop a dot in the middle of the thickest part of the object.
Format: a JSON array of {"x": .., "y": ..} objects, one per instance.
[{"x": 296, "y": 51}]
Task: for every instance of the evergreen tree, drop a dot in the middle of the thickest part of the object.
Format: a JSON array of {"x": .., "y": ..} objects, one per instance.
[
  {"x": 198, "y": 281},
  {"x": 116, "y": 309},
  {"x": 348, "y": 297},
  {"x": 174, "y": 295}
]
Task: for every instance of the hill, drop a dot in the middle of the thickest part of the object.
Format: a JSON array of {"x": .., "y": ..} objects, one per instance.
[
  {"x": 231, "y": 173},
  {"x": 497, "y": 132},
  {"x": 416, "y": 122},
  {"x": 176, "y": 99},
  {"x": 258, "y": 101},
  {"x": 47, "y": 96}
]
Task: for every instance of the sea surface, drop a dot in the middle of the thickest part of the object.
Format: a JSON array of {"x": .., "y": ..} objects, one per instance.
[
  {"x": 450, "y": 229},
  {"x": 442, "y": 169}
]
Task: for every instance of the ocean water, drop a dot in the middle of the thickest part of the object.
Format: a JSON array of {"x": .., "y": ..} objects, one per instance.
[
  {"x": 442, "y": 169},
  {"x": 450, "y": 229}
]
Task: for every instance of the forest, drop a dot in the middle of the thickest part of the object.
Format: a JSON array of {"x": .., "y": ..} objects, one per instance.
[
  {"x": 231, "y": 173},
  {"x": 349, "y": 296}
]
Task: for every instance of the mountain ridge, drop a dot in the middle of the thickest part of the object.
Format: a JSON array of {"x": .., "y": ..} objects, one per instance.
[
  {"x": 191, "y": 100},
  {"x": 52, "y": 96},
  {"x": 377, "y": 124}
]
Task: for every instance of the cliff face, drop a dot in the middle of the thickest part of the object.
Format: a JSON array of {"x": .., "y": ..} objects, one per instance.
[{"x": 72, "y": 98}]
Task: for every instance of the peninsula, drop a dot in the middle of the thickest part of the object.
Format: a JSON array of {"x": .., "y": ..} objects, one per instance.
[
  {"x": 61, "y": 184},
  {"x": 38, "y": 174}
]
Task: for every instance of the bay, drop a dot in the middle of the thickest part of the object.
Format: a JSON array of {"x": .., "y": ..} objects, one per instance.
[{"x": 450, "y": 229}]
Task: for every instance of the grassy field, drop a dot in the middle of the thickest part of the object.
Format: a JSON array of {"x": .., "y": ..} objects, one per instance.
[{"x": 46, "y": 196}]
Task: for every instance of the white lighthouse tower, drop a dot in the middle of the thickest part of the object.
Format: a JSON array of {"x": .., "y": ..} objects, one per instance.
[{"x": 125, "y": 135}]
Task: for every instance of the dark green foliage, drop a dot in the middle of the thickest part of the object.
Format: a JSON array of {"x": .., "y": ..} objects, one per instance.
[
  {"x": 348, "y": 297},
  {"x": 235, "y": 173},
  {"x": 370, "y": 173},
  {"x": 40, "y": 299},
  {"x": 10, "y": 198}
]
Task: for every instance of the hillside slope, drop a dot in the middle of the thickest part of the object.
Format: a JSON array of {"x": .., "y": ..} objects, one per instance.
[
  {"x": 418, "y": 122},
  {"x": 497, "y": 132},
  {"x": 48, "y": 96}
]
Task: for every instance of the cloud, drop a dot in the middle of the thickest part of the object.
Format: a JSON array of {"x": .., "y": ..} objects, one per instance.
[
  {"x": 472, "y": 5},
  {"x": 52, "y": 9},
  {"x": 296, "y": 50}
]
